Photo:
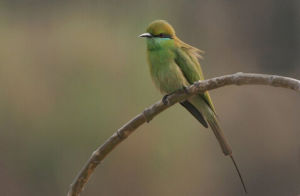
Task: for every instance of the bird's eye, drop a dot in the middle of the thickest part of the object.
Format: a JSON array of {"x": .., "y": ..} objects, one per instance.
[{"x": 162, "y": 35}]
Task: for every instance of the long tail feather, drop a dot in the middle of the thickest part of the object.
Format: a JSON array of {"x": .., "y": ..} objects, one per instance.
[
  {"x": 219, "y": 134},
  {"x": 211, "y": 118},
  {"x": 212, "y": 121},
  {"x": 239, "y": 173}
]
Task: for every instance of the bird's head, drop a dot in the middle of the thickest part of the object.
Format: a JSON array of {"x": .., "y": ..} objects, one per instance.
[{"x": 159, "y": 34}]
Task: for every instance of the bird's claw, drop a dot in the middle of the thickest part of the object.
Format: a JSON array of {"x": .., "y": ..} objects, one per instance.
[
  {"x": 165, "y": 99},
  {"x": 185, "y": 89}
]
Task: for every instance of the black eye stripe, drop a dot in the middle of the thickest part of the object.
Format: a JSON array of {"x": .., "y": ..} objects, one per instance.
[{"x": 162, "y": 35}]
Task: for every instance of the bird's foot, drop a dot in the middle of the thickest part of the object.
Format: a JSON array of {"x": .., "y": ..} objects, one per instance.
[
  {"x": 185, "y": 89},
  {"x": 165, "y": 99}
]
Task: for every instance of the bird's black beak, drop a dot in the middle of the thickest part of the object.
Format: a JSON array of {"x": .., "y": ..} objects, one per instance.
[{"x": 148, "y": 35}]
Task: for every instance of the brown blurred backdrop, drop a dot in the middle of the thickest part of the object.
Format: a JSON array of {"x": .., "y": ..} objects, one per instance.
[{"x": 72, "y": 72}]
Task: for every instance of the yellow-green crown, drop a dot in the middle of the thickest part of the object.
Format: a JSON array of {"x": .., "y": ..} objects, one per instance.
[{"x": 158, "y": 27}]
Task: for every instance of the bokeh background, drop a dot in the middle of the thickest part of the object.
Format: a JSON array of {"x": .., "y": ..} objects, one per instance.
[{"x": 72, "y": 72}]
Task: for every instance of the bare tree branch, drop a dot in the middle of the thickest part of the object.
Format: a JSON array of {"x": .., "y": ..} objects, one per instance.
[{"x": 149, "y": 113}]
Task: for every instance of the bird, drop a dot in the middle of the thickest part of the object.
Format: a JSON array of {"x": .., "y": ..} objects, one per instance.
[{"x": 175, "y": 65}]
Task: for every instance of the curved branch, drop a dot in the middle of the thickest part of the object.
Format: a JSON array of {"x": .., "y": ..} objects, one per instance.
[{"x": 149, "y": 113}]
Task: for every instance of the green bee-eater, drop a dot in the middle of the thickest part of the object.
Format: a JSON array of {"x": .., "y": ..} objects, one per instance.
[{"x": 174, "y": 65}]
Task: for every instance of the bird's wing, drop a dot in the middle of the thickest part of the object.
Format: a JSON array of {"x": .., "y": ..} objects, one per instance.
[{"x": 186, "y": 59}]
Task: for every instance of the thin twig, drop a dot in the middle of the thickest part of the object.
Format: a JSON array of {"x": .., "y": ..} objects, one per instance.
[{"x": 149, "y": 113}]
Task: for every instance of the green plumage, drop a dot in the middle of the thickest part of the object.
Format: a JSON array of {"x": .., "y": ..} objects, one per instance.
[{"x": 173, "y": 65}]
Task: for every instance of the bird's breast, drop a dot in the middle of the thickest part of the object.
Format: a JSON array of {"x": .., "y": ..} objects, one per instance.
[{"x": 166, "y": 75}]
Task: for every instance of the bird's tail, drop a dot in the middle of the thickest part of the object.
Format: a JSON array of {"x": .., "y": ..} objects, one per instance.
[
  {"x": 212, "y": 120},
  {"x": 213, "y": 123}
]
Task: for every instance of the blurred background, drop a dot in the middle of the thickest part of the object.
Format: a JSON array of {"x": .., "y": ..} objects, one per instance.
[{"x": 73, "y": 72}]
